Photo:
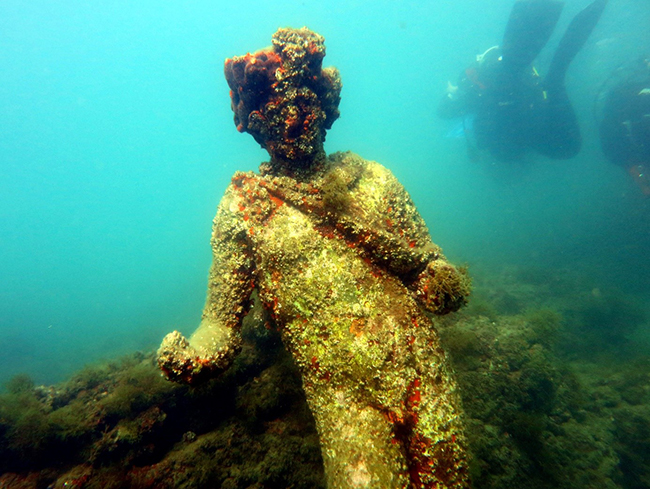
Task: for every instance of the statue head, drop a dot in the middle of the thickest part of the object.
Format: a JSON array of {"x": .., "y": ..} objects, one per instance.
[{"x": 283, "y": 97}]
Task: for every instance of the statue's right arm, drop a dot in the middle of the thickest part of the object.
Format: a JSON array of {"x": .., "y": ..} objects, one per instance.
[{"x": 215, "y": 343}]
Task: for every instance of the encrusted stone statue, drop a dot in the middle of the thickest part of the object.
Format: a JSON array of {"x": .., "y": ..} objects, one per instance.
[{"x": 344, "y": 265}]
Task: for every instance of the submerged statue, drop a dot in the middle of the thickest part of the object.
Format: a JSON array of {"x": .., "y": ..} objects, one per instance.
[{"x": 345, "y": 266}]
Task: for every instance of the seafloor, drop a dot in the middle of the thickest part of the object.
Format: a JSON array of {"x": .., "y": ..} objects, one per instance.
[{"x": 554, "y": 375}]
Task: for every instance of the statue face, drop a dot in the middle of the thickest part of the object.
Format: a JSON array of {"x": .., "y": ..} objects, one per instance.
[{"x": 284, "y": 98}]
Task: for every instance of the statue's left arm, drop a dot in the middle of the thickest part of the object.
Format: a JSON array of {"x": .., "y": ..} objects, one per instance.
[{"x": 383, "y": 220}]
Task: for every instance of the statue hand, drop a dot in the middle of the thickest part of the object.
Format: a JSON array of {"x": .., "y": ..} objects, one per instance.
[
  {"x": 441, "y": 288},
  {"x": 182, "y": 362},
  {"x": 179, "y": 361}
]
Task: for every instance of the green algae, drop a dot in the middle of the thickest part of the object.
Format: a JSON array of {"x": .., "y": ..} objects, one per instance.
[
  {"x": 546, "y": 324},
  {"x": 537, "y": 417},
  {"x": 19, "y": 384},
  {"x": 607, "y": 319},
  {"x": 119, "y": 424}
]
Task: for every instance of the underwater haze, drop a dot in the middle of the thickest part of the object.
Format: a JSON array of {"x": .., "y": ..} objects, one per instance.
[{"x": 117, "y": 141}]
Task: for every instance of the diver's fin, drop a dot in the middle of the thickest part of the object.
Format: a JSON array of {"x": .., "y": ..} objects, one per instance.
[
  {"x": 530, "y": 25},
  {"x": 574, "y": 38}
]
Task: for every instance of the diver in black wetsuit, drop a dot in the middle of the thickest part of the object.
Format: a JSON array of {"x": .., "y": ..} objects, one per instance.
[
  {"x": 513, "y": 110},
  {"x": 625, "y": 125}
]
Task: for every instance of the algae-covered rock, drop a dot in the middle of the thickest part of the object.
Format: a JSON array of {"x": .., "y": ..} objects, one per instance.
[
  {"x": 527, "y": 424},
  {"x": 534, "y": 418},
  {"x": 127, "y": 427}
]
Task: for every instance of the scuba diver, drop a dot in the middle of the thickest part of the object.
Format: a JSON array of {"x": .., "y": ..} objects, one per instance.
[
  {"x": 625, "y": 125},
  {"x": 504, "y": 104}
]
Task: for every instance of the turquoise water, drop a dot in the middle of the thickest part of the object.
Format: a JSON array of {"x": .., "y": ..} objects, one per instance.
[{"x": 117, "y": 142}]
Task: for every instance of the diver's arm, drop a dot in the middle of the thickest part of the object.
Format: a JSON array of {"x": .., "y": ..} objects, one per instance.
[
  {"x": 213, "y": 346},
  {"x": 452, "y": 104}
]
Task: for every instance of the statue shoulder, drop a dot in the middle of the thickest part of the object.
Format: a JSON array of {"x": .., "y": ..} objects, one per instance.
[{"x": 360, "y": 170}]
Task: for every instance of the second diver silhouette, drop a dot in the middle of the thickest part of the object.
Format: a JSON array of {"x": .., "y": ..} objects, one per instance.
[{"x": 512, "y": 110}]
